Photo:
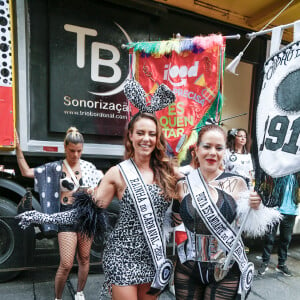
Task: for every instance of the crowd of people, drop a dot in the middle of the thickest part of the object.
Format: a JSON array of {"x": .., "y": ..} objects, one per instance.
[{"x": 155, "y": 194}]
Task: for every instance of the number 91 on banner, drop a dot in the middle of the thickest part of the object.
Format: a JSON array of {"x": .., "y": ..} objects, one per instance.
[
  {"x": 278, "y": 113},
  {"x": 279, "y": 150},
  {"x": 282, "y": 134}
]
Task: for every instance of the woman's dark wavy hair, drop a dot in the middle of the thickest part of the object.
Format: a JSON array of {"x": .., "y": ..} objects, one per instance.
[
  {"x": 161, "y": 164},
  {"x": 231, "y": 141}
]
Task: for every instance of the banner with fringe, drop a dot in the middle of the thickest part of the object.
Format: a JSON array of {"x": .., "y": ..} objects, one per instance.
[
  {"x": 278, "y": 122},
  {"x": 193, "y": 70},
  {"x": 278, "y": 110}
]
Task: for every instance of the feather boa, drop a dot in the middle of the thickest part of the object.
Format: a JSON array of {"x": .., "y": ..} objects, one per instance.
[
  {"x": 195, "y": 44},
  {"x": 258, "y": 221},
  {"x": 91, "y": 219}
]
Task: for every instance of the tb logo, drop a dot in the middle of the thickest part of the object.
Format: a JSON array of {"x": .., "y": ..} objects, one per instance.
[{"x": 96, "y": 61}]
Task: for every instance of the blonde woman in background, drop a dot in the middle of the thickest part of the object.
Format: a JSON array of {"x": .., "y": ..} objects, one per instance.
[{"x": 56, "y": 182}]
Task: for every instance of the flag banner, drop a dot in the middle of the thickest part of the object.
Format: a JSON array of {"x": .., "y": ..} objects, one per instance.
[
  {"x": 193, "y": 70},
  {"x": 7, "y": 109},
  {"x": 278, "y": 113}
]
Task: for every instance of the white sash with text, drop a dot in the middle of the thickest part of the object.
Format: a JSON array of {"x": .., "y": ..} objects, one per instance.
[
  {"x": 218, "y": 225},
  {"x": 148, "y": 220}
]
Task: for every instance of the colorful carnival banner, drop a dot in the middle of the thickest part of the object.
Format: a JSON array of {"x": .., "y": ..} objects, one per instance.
[{"x": 193, "y": 70}]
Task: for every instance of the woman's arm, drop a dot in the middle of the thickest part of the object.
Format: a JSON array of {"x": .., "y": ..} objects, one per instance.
[
  {"x": 35, "y": 217},
  {"x": 26, "y": 171},
  {"x": 108, "y": 187}
]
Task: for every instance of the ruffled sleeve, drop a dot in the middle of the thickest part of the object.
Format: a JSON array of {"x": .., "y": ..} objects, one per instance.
[
  {"x": 258, "y": 220},
  {"x": 90, "y": 175}
]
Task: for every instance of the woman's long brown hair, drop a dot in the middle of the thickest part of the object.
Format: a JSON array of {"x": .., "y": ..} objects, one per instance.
[
  {"x": 161, "y": 164},
  {"x": 231, "y": 141}
]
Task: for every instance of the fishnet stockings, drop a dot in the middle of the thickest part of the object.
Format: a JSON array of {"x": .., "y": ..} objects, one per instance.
[
  {"x": 188, "y": 284},
  {"x": 67, "y": 248},
  {"x": 83, "y": 258}
]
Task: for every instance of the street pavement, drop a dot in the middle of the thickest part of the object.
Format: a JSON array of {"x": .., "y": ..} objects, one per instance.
[
  {"x": 274, "y": 285},
  {"x": 38, "y": 284}
]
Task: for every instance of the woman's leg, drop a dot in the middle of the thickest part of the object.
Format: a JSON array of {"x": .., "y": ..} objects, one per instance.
[
  {"x": 187, "y": 281},
  {"x": 226, "y": 289},
  {"x": 128, "y": 292},
  {"x": 142, "y": 292},
  {"x": 67, "y": 246},
  {"x": 83, "y": 257},
  {"x": 132, "y": 292}
]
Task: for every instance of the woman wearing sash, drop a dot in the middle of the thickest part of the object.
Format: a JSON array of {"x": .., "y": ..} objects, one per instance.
[
  {"x": 127, "y": 261},
  {"x": 56, "y": 182},
  {"x": 135, "y": 263},
  {"x": 198, "y": 274}
]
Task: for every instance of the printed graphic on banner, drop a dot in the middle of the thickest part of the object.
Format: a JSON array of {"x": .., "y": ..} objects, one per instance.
[
  {"x": 6, "y": 79},
  {"x": 278, "y": 113},
  {"x": 195, "y": 79},
  {"x": 88, "y": 93}
]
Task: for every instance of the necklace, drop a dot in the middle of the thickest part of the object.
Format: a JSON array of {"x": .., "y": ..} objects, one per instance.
[{"x": 233, "y": 156}]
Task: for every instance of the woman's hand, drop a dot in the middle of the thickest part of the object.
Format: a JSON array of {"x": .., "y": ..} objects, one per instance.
[
  {"x": 254, "y": 200},
  {"x": 91, "y": 191},
  {"x": 22, "y": 163}
]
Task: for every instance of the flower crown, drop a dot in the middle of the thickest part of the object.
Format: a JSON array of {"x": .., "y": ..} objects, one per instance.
[
  {"x": 233, "y": 131},
  {"x": 162, "y": 97}
]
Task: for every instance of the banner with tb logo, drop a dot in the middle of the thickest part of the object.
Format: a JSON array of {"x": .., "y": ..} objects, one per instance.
[{"x": 278, "y": 111}]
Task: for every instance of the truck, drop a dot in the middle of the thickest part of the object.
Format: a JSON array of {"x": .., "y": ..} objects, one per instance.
[{"x": 68, "y": 69}]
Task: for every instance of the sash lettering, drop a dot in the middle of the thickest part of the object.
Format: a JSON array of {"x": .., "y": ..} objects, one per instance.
[
  {"x": 151, "y": 229},
  {"x": 215, "y": 221}
]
